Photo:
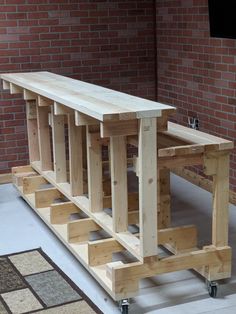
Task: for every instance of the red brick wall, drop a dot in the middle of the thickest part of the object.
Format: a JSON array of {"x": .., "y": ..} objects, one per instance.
[
  {"x": 196, "y": 73},
  {"x": 110, "y": 43}
]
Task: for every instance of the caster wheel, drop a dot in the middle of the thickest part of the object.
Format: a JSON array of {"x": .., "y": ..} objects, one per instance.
[
  {"x": 212, "y": 289},
  {"x": 124, "y": 309},
  {"x": 124, "y": 306}
]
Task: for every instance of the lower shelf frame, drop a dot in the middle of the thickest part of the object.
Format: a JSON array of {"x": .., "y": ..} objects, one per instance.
[{"x": 119, "y": 279}]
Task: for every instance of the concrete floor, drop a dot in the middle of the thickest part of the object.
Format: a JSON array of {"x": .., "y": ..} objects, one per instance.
[{"x": 179, "y": 292}]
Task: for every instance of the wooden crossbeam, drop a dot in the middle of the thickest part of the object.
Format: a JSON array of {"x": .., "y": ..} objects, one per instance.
[
  {"x": 60, "y": 109},
  {"x": 154, "y": 266},
  {"x": 31, "y": 184},
  {"x": 14, "y": 89},
  {"x": 44, "y": 102},
  {"x": 28, "y": 95},
  {"x": 60, "y": 213},
  {"x": 100, "y": 251},
  {"x": 45, "y": 197},
  {"x": 78, "y": 230},
  {"x": 119, "y": 128},
  {"x": 82, "y": 119},
  {"x": 5, "y": 85}
]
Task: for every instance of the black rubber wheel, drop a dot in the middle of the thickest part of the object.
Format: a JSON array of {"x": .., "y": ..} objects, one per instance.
[
  {"x": 212, "y": 289},
  {"x": 124, "y": 309}
]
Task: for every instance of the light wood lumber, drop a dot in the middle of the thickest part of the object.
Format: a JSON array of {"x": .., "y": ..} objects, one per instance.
[
  {"x": 148, "y": 187},
  {"x": 119, "y": 188},
  {"x": 59, "y": 148}
]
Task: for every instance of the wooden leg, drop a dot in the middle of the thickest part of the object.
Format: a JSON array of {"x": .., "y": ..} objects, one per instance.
[
  {"x": 118, "y": 160},
  {"x": 94, "y": 161},
  {"x": 148, "y": 187},
  {"x": 76, "y": 157},
  {"x": 32, "y": 130},
  {"x": 59, "y": 150},
  {"x": 44, "y": 138},
  {"x": 221, "y": 202}
]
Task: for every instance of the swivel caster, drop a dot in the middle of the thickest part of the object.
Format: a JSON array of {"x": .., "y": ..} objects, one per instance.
[
  {"x": 212, "y": 288},
  {"x": 124, "y": 306}
]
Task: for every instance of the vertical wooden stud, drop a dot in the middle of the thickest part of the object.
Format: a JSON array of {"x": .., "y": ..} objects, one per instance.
[
  {"x": 221, "y": 202},
  {"x": 148, "y": 186},
  {"x": 119, "y": 188},
  {"x": 44, "y": 138},
  {"x": 94, "y": 163},
  {"x": 32, "y": 130},
  {"x": 163, "y": 196},
  {"x": 75, "y": 156},
  {"x": 59, "y": 150}
]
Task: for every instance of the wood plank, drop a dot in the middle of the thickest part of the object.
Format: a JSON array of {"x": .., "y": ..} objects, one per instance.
[
  {"x": 60, "y": 213},
  {"x": 119, "y": 128},
  {"x": 59, "y": 148},
  {"x": 163, "y": 196},
  {"x": 44, "y": 102},
  {"x": 5, "y": 178},
  {"x": 5, "y": 85},
  {"x": 220, "y": 218},
  {"x": 100, "y": 251},
  {"x": 60, "y": 109},
  {"x": 44, "y": 138},
  {"x": 152, "y": 267},
  {"x": 45, "y": 197},
  {"x": 22, "y": 169},
  {"x": 79, "y": 230},
  {"x": 28, "y": 95},
  {"x": 75, "y": 157},
  {"x": 147, "y": 152},
  {"x": 15, "y": 89},
  {"x": 83, "y": 119},
  {"x": 32, "y": 131},
  {"x": 94, "y": 160},
  {"x": 31, "y": 184},
  {"x": 119, "y": 188},
  {"x": 97, "y": 102}
]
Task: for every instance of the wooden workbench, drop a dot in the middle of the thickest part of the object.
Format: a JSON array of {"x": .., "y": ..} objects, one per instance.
[{"x": 76, "y": 181}]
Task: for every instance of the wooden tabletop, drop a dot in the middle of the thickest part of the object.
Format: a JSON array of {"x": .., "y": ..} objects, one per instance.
[{"x": 96, "y": 101}]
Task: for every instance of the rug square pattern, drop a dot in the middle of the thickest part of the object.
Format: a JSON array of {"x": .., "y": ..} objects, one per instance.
[
  {"x": 80, "y": 307},
  {"x": 30, "y": 263},
  {"x": 21, "y": 301},
  {"x": 9, "y": 279},
  {"x": 2, "y": 309},
  {"x": 52, "y": 288}
]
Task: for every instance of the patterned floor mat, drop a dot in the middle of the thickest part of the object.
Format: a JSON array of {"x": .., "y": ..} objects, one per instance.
[{"x": 31, "y": 283}]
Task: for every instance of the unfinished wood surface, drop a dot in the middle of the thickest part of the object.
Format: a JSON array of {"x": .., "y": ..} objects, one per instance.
[
  {"x": 94, "y": 159},
  {"x": 163, "y": 196},
  {"x": 119, "y": 128},
  {"x": 5, "y": 178},
  {"x": 59, "y": 148},
  {"x": 44, "y": 138},
  {"x": 83, "y": 119},
  {"x": 95, "y": 101},
  {"x": 148, "y": 187},
  {"x": 32, "y": 130},
  {"x": 60, "y": 213},
  {"x": 31, "y": 184},
  {"x": 75, "y": 157},
  {"x": 45, "y": 197},
  {"x": 100, "y": 251},
  {"x": 221, "y": 202},
  {"x": 119, "y": 188},
  {"x": 79, "y": 230},
  {"x": 154, "y": 266}
]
